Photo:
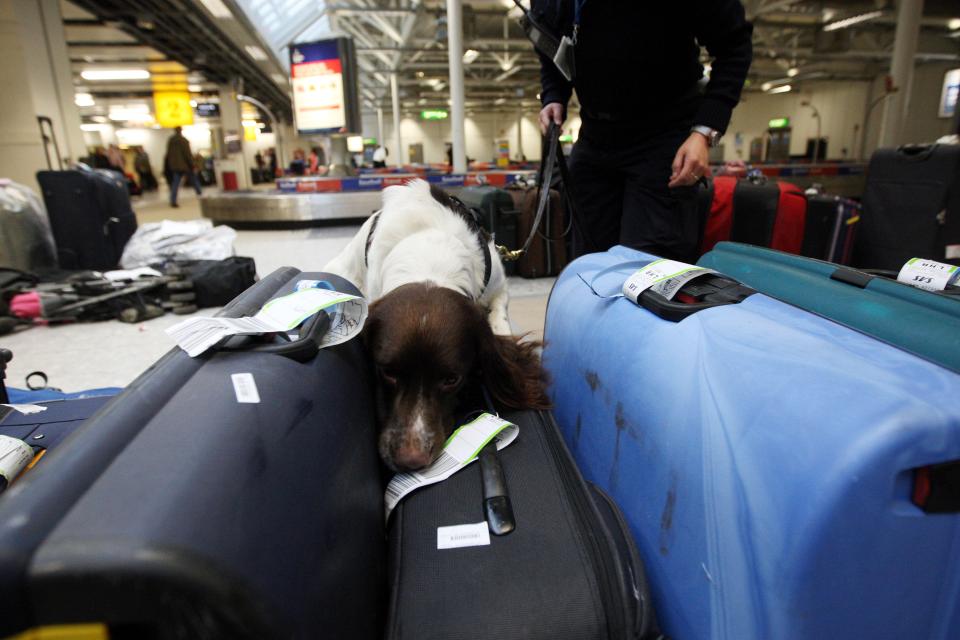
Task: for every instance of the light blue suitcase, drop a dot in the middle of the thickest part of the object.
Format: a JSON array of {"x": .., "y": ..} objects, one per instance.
[{"x": 769, "y": 461}]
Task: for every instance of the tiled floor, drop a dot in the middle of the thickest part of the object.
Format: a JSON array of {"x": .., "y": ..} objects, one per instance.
[{"x": 113, "y": 353}]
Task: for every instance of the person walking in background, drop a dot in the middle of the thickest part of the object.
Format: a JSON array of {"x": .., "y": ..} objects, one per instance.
[
  {"x": 180, "y": 160},
  {"x": 272, "y": 162},
  {"x": 380, "y": 157},
  {"x": 115, "y": 158},
  {"x": 141, "y": 162}
]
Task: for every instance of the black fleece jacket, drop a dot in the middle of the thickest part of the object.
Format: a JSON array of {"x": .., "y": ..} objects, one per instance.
[{"x": 638, "y": 60}]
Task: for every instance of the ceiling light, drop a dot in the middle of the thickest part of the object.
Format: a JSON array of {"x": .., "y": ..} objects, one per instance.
[
  {"x": 953, "y": 24},
  {"x": 506, "y": 74},
  {"x": 100, "y": 119},
  {"x": 499, "y": 101},
  {"x": 248, "y": 123},
  {"x": 792, "y": 72},
  {"x": 766, "y": 86},
  {"x": 193, "y": 103},
  {"x": 194, "y": 88},
  {"x": 255, "y": 52},
  {"x": 781, "y": 89},
  {"x": 83, "y": 100},
  {"x": 92, "y": 127},
  {"x": 217, "y": 8},
  {"x": 115, "y": 74},
  {"x": 470, "y": 55},
  {"x": 847, "y": 22}
]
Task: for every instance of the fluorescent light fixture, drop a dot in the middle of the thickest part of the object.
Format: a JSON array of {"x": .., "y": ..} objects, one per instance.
[
  {"x": 217, "y": 8},
  {"x": 100, "y": 119},
  {"x": 470, "y": 55},
  {"x": 506, "y": 74},
  {"x": 278, "y": 78},
  {"x": 852, "y": 20},
  {"x": 499, "y": 101},
  {"x": 781, "y": 89},
  {"x": 792, "y": 72},
  {"x": 248, "y": 123},
  {"x": 93, "y": 127},
  {"x": 83, "y": 100},
  {"x": 255, "y": 52},
  {"x": 766, "y": 86},
  {"x": 134, "y": 112},
  {"x": 194, "y": 88},
  {"x": 953, "y": 24},
  {"x": 115, "y": 74},
  {"x": 193, "y": 103}
]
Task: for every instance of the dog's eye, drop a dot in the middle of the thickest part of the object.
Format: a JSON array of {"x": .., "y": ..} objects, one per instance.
[{"x": 450, "y": 381}]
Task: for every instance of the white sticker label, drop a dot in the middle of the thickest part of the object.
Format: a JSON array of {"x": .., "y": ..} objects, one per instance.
[
  {"x": 461, "y": 448},
  {"x": 927, "y": 274},
  {"x": 26, "y": 409},
  {"x": 246, "y": 388},
  {"x": 15, "y": 454},
  {"x": 662, "y": 276},
  {"x": 463, "y": 535},
  {"x": 348, "y": 314}
]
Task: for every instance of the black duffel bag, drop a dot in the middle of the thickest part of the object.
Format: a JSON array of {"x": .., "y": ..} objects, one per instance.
[{"x": 217, "y": 282}]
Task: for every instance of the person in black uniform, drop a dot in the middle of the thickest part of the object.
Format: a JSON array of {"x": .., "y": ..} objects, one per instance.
[{"x": 646, "y": 125}]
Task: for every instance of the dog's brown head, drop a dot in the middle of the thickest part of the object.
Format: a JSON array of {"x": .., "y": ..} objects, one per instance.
[{"x": 432, "y": 348}]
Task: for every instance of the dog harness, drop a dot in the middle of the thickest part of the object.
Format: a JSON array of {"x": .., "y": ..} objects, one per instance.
[{"x": 472, "y": 218}]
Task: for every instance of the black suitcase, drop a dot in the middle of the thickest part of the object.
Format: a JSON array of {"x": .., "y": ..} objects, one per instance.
[
  {"x": 569, "y": 570},
  {"x": 179, "y": 512},
  {"x": 911, "y": 207},
  {"x": 830, "y": 228},
  {"x": 90, "y": 216},
  {"x": 497, "y": 214}
]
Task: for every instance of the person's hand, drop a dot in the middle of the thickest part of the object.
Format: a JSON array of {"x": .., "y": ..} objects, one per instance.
[
  {"x": 691, "y": 162},
  {"x": 553, "y": 112}
]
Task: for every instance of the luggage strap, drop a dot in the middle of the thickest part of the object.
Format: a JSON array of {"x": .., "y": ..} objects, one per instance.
[{"x": 553, "y": 160}]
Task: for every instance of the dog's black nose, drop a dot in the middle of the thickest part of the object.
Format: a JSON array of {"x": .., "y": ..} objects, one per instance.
[{"x": 411, "y": 458}]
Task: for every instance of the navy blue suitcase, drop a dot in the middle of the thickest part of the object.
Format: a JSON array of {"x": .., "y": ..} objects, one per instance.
[
  {"x": 177, "y": 511},
  {"x": 90, "y": 216}
]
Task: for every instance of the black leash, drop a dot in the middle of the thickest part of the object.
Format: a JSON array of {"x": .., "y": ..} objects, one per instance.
[{"x": 552, "y": 160}]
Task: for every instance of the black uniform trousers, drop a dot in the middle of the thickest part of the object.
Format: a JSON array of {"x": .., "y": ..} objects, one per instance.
[{"x": 620, "y": 189}]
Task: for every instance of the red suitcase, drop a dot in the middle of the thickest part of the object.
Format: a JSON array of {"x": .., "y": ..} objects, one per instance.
[{"x": 769, "y": 214}]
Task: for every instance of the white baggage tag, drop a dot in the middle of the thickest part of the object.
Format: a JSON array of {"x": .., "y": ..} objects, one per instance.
[
  {"x": 15, "y": 454},
  {"x": 662, "y": 276},
  {"x": 928, "y": 274},
  {"x": 461, "y": 449},
  {"x": 26, "y": 409},
  {"x": 349, "y": 312}
]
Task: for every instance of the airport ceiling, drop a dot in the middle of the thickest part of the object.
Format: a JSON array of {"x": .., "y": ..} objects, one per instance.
[{"x": 245, "y": 41}]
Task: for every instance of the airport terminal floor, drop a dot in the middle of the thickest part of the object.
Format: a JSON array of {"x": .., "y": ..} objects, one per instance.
[{"x": 479, "y": 319}]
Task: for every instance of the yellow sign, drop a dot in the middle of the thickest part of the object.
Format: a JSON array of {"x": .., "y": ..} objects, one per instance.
[
  {"x": 65, "y": 632},
  {"x": 173, "y": 108},
  {"x": 250, "y": 133}
]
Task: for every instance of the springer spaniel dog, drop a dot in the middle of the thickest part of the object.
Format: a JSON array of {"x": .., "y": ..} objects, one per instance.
[{"x": 437, "y": 329}]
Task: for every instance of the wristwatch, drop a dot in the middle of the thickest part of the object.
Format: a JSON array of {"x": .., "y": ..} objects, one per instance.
[{"x": 712, "y": 135}]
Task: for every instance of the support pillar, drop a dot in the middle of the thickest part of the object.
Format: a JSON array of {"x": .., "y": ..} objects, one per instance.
[
  {"x": 455, "y": 53},
  {"x": 397, "y": 140},
  {"x": 909, "y": 13},
  {"x": 232, "y": 158}
]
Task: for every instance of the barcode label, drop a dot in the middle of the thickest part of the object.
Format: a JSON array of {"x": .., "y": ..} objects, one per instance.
[
  {"x": 246, "y": 388},
  {"x": 463, "y": 535}
]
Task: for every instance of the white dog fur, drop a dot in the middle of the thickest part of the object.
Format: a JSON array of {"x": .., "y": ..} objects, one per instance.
[{"x": 417, "y": 239}]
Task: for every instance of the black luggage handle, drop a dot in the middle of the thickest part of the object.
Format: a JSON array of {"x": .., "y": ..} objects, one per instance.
[
  {"x": 497, "y": 508},
  {"x": 303, "y": 349},
  {"x": 705, "y": 292}
]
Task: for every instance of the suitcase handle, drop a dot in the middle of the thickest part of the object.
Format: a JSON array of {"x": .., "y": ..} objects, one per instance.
[
  {"x": 303, "y": 349},
  {"x": 704, "y": 292},
  {"x": 916, "y": 152}
]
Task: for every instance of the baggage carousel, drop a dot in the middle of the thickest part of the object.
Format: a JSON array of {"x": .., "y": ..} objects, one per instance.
[{"x": 274, "y": 208}]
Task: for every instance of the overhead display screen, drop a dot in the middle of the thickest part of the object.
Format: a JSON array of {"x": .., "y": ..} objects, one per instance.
[{"x": 324, "y": 80}]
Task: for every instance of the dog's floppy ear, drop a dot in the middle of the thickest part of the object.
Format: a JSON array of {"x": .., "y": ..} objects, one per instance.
[{"x": 511, "y": 370}]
